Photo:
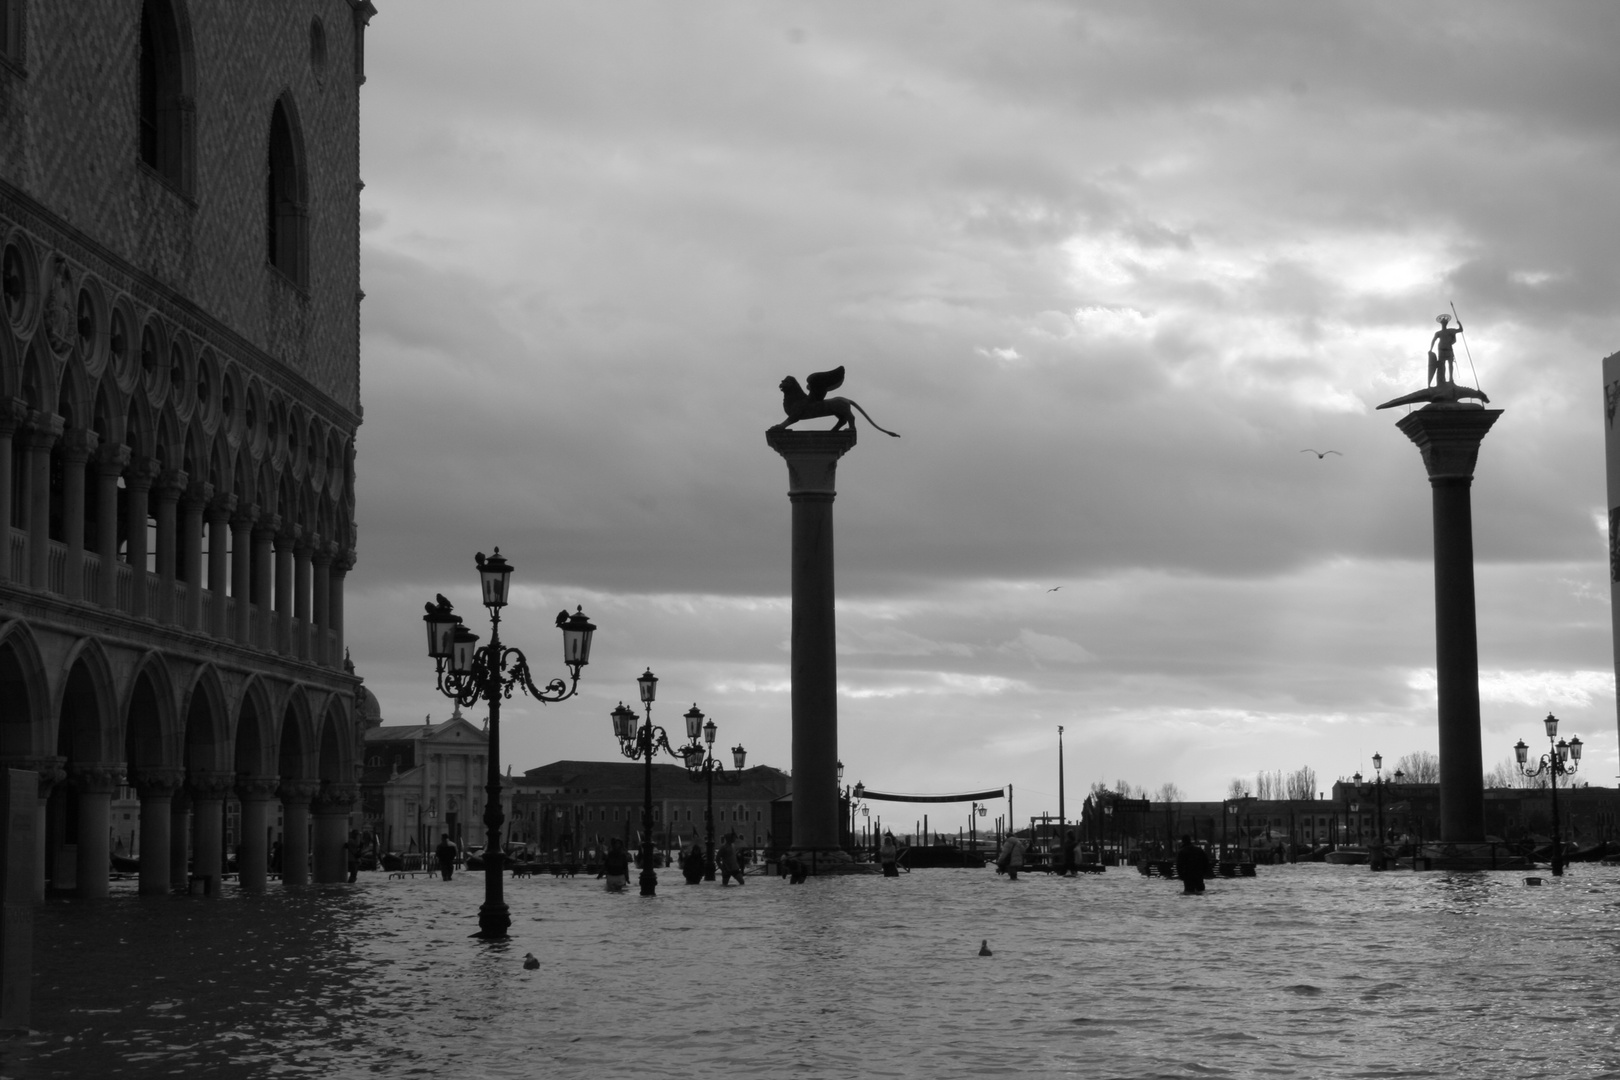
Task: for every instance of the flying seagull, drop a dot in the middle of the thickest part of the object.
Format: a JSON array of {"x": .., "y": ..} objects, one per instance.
[
  {"x": 1054, "y": 588},
  {"x": 1320, "y": 454}
]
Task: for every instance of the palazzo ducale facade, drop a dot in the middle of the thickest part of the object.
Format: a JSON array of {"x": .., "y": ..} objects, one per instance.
[{"x": 179, "y": 401}]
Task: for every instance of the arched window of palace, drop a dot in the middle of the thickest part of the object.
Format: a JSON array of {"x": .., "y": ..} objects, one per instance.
[
  {"x": 165, "y": 134},
  {"x": 286, "y": 212}
]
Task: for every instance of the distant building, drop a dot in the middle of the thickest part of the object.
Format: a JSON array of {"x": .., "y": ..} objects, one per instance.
[
  {"x": 425, "y": 780},
  {"x": 583, "y": 804}
]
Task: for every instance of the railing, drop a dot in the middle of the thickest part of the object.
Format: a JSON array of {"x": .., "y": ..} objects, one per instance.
[
  {"x": 56, "y": 567},
  {"x": 90, "y": 578},
  {"x": 19, "y": 555}
]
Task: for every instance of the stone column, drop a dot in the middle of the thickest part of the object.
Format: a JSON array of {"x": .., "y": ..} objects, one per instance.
[
  {"x": 192, "y": 506},
  {"x": 111, "y": 461},
  {"x": 241, "y": 567},
  {"x": 156, "y": 787},
  {"x": 49, "y": 771},
  {"x": 322, "y": 567},
  {"x": 44, "y": 430},
  {"x": 13, "y": 413},
  {"x": 208, "y": 792},
  {"x": 285, "y": 541},
  {"x": 77, "y": 447},
  {"x": 264, "y": 531},
  {"x": 94, "y": 784},
  {"x": 334, "y": 606},
  {"x": 137, "y": 484},
  {"x": 1448, "y": 436},
  {"x": 331, "y": 808},
  {"x": 301, "y": 581},
  {"x": 180, "y": 840},
  {"x": 170, "y": 485},
  {"x": 219, "y": 525},
  {"x": 812, "y": 459},
  {"x": 252, "y": 864},
  {"x": 295, "y": 799}
]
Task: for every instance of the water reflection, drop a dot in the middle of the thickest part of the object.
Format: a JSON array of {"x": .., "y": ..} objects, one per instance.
[{"x": 1308, "y": 970}]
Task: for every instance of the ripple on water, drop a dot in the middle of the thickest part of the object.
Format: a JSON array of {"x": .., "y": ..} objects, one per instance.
[{"x": 1307, "y": 970}]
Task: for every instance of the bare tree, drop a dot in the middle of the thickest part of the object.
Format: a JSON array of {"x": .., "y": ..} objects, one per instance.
[
  {"x": 1301, "y": 783},
  {"x": 1268, "y": 785},
  {"x": 1169, "y": 793},
  {"x": 1422, "y": 767},
  {"x": 1098, "y": 790},
  {"x": 1506, "y": 774},
  {"x": 1236, "y": 788}
]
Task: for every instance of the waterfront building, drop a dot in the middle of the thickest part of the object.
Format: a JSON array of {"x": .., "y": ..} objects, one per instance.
[
  {"x": 581, "y": 805},
  {"x": 179, "y": 396},
  {"x": 421, "y": 781}
]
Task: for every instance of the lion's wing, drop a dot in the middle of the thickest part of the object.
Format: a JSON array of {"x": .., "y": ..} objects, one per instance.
[{"x": 817, "y": 384}]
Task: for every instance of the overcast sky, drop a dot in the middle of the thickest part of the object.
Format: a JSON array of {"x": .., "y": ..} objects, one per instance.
[{"x": 1107, "y": 268}]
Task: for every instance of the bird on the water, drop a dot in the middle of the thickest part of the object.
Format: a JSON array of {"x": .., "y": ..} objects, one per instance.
[
  {"x": 984, "y": 948},
  {"x": 529, "y": 962}
]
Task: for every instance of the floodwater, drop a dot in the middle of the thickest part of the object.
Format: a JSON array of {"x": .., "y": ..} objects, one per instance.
[{"x": 1304, "y": 971}]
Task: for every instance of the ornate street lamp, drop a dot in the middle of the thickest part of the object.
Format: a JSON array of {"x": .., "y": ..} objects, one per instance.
[
  {"x": 468, "y": 674},
  {"x": 701, "y": 764},
  {"x": 1561, "y": 759},
  {"x": 644, "y": 742}
]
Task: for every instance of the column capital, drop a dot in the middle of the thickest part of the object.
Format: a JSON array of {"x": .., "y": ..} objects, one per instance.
[
  {"x": 812, "y": 457},
  {"x": 141, "y": 473},
  {"x": 343, "y": 561},
  {"x": 1448, "y": 437},
  {"x": 170, "y": 484},
  {"x": 112, "y": 459},
  {"x": 210, "y": 784},
  {"x": 220, "y": 508},
  {"x": 287, "y": 535},
  {"x": 199, "y": 494},
  {"x": 96, "y": 777},
  {"x": 298, "y": 791},
  {"x": 335, "y": 798},
  {"x": 256, "y": 788},
  {"x": 13, "y": 414},
  {"x": 244, "y": 515},
  {"x": 43, "y": 430},
  {"x": 79, "y": 445},
  {"x": 162, "y": 781},
  {"x": 266, "y": 526},
  {"x": 49, "y": 768}
]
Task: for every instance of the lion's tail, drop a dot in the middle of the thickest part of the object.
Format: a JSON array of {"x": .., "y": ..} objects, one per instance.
[{"x": 874, "y": 423}]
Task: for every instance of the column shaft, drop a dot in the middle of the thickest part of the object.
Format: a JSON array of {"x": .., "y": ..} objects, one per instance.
[
  {"x": 110, "y": 464},
  {"x": 1462, "y": 790},
  {"x": 12, "y": 414},
  {"x": 156, "y": 832},
  {"x": 241, "y": 581},
  {"x": 47, "y": 429},
  {"x": 93, "y": 786},
  {"x": 191, "y": 539},
  {"x": 322, "y": 567},
  {"x": 137, "y": 485},
  {"x": 301, "y": 582},
  {"x": 219, "y": 555},
  {"x": 262, "y": 634},
  {"x": 282, "y": 638},
  {"x": 77, "y": 449},
  {"x": 168, "y": 492},
  {"x": 295, "y": 798},
  {"x": 180, "y": 841}
]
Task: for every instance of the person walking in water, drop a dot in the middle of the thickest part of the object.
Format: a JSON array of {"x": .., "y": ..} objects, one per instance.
[
  {"x": 616, "y": 866},
  {"x": 446, "y": 854},
  {"x": 1192, "y": 866},
  {"x": 728, "y": 862},
  {"x": 1070, "y": 843},
  {"x": 889, "y": 856},
  {"x": 692, "y": 865},
  {"x": 1011, "y": 858}
]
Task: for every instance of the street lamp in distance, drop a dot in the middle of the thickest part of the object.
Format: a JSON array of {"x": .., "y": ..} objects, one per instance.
[{"x": 1561, "y": 759}]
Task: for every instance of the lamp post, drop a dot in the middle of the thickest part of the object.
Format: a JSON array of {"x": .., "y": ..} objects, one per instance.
[
  {"x": 853, "y": 796},
  {"x": 645, "y": 742},
  {"x": 1561, "y": 759},
  {"x": 701, "y": 764},
  {"x": 468, "y": 674}
]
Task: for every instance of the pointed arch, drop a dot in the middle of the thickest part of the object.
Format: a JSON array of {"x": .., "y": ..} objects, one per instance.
[
  {"x": 287, "y": 194},
  {"x": 253, "y": 739},
  {"x": 24, "y": 692},
  {"x": 87, "y": 720},
  {"x": 166, "y": 92},
  {"x": 38, "y": 380},
  {"x": 336, "y": 746},
  {"x": 207, "y": 738},
  {"x": 296, "y": 740}
]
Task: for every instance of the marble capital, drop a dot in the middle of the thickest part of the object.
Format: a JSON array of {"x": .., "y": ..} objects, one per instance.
[
  {"x": 170, "y": 483},
  {"x": 79, "y": 445},
  {"x": 96, "y": 777},
  {"x": 13, "y": 414},
  {"x": 112, "y": 459},
  {"x": 298, "y": 791},
  {"x": 1448, "y": 438},
  {"x": 160, "y": 781},
  {"x": 43, "y": 430},
  {"x": 812, "y": 458},
  {"x": 221, "y": 507},
  {"x": 208, "y": 785},
  {"x": 256, "y": 788},
  {"x": 199, "y": 495},
  {"x": 48, "y": 767}
]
